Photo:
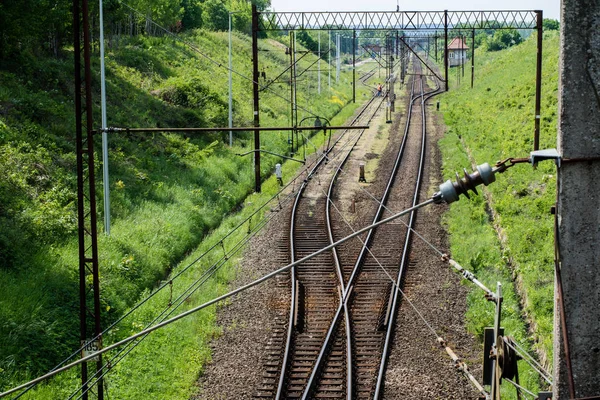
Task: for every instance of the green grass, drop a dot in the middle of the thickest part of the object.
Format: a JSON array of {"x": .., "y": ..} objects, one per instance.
[
  {"x": 492, "y": 122},
  {"x": 172, "y": 197}
]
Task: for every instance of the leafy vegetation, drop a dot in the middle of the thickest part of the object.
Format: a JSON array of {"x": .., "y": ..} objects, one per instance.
[
  {"x": 168, "y": 193},
  {"x": 492, "y": 122}
]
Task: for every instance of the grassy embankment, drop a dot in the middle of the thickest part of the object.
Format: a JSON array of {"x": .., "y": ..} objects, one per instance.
[
  {"x": 173, "y": 196},
  {"x": 491, "y": 122}
]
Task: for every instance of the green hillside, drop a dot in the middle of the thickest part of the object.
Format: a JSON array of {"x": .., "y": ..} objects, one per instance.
[
  {"x": 492, "y": 122},
  {"x": 173, "y": 196}
]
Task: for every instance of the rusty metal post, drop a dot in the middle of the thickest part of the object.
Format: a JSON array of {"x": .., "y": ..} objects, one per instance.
[
  {"x": 446, "y": 47},
  {"x": 397, "y": 44},
  {"x": 354, "y": 67},
  {"x": 292, "y": 87},
  {"x": 436, "y": 46},
  {"x": 257, "y": 183},
  {"x": 463, "y": 54},
  {"x": 472, "y": 58},
  {"x": 86, "y": 194},
  {"x": 538, "y": 80}
]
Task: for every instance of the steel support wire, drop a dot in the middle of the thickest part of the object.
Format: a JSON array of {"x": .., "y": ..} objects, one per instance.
[
  {"x": 293, "y": 279},
  {"x": 420, "y": 59},
  {"x": 458, "y": 363},
  {"x": 354, "y": 275},
  {"x": 528, "y": 358},
  {"x": 184, "y": 296},
  {"x": 197, "y": 50}
]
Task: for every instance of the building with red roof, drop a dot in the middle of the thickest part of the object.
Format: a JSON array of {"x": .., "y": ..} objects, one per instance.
[{"x": 457, "y": 52}]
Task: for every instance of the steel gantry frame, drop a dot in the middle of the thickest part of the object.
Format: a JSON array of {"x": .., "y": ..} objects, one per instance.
[
  {"x": 408, "y": 21},
  {"x": 89, "y": 282}
]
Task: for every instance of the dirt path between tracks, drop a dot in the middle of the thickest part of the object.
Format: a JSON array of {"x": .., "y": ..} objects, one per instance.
[{"x": 420, "y": 370}]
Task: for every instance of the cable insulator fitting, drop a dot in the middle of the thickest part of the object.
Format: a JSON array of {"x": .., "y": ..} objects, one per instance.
[{"x": 449, "y": 191}]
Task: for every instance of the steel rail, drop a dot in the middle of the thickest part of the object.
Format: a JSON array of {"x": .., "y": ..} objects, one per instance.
[
  {"x": 402, "y": 268},
  {"x": 364, "y": 250},
  {"x": 213, "y": 301},
  {"x": 293, "y": 280},
  {"x": 342, "y": 305}
]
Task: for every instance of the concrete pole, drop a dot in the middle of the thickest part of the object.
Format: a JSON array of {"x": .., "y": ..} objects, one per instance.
[
  {"x": 578, "y": 214},
  {"x": 337, "y": 57},
  {"x": 319, "y": 65},
  {"x": 105, "y": 177},
  {"x": 354, "y": 66},
  {"x": 230, "y": 91},
  {"x": 329, "y": 61},
  {"x": 257, "y": 182},
  {"x": 446, "y": 47}
]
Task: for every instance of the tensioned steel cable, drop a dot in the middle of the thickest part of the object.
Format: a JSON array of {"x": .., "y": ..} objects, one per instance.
[
  {"x": 528, "y": 358},
  {"x": 215, "y": 300},
  {"x": 185, "y": 269},
  {"x": 394, "y": 284},
  {"x": 208, "y": 273},
  {"x": 221, "y": 65}
]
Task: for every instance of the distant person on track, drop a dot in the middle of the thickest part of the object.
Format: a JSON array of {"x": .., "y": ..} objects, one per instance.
[{"x": 378, "y": 90}]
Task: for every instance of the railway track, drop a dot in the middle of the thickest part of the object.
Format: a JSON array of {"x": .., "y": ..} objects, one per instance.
[
  {"x": 342, "y": 303},
  {"x": 305, "y": 237}
]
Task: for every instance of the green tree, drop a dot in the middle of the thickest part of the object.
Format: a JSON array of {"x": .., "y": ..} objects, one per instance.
[
  {"x": 550, "y": 24},
  {"x": 192, "y": 14},
  {"x": 504, "y": 38},
  {"x": 215, "y": 15}
]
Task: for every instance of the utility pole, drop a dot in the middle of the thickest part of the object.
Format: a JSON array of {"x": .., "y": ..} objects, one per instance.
[
  {"x": 319, "y": 65},
  {"x": 538, "y": 79},
  {"x": 472, "y": 58},
  {"x": 446, "y": 47},
  {"x": 338, "y": 59},
  {"x": 257, "y": 183},
  {"x": 354, "y": 66},
  {"x": 329, "y": 61},
  {"x": 230, "y": 90},
  {"x": 105, "y": 177},
  {"x": 577, "y": 315},
  {"x": 89, "y": 274}
]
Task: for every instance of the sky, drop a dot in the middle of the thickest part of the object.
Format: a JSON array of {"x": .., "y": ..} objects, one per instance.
[{"x": 551, "y": 8}]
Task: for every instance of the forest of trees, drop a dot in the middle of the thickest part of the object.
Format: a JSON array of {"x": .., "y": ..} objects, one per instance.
[{"x": 45, "y": 26}]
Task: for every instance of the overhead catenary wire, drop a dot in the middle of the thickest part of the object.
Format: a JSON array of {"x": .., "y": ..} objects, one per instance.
[
  {"x": 216, "y": 300},
  {"x": 211, "y": 60},
  {"x": 216, "y": 244},
  {"x": 178, "y": 274}
]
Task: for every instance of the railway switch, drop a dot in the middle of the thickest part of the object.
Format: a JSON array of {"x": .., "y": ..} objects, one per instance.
[{"x": 450, "y": 191}]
